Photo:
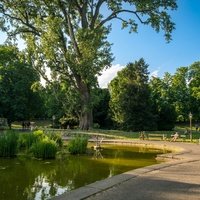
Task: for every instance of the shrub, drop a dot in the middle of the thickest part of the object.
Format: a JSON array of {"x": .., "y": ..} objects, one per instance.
[
  {"x": 68, "y": 121},
  {"x": 39, "y": 134},
  {"x": 44, "y": 149},
  {"x": 8, "y": 144},
  {"x": 78, "y": 145},
  {"x": 57, "y": 138}
]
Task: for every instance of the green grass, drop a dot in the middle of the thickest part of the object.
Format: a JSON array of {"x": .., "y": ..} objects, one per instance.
[
  {"x": 38, "y": 123},
  {"x": 117, "y": 134}
]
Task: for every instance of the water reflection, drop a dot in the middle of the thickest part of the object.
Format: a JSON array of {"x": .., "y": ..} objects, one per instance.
[
  {"x": 97, "y": 153},
  {"x": 29, "y": 179},
  {"x": 43, "y": 188}
]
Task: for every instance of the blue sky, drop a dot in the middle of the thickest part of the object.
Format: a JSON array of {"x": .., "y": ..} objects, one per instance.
[{"x": 162, "y": 57}]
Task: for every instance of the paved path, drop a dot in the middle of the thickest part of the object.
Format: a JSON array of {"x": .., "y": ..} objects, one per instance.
[{"x": 177, "y": 179}]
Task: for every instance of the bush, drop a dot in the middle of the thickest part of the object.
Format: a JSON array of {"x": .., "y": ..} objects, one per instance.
[
  {"x": 57, "y": 138},
  {"x": 78, "y": 145},
  {"x": 44, "y": 149},
  {"x": 8, "y": 144},
  {"x": 39, "y": 134},
  {"x": 68, "y": 121}
]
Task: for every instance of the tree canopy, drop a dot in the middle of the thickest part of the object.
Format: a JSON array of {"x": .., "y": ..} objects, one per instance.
[
  {"x": 163, "y": 107},
  {"x": 70, "y": 37},
  {"x": 17, "y": 99},
  {"x": 130, "y": 98}
]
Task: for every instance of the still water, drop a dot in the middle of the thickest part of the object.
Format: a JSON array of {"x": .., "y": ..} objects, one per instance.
[{"x": 30, "y": 179}]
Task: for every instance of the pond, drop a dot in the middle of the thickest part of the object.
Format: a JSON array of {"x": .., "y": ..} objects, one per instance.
[{"x": 30, "y": 179}]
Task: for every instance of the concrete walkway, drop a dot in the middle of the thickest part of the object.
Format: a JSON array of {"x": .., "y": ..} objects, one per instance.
[{"x": 176, "y": 179}]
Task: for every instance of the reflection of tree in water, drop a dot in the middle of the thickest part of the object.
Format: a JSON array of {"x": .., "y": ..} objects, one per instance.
[
  {"x": 43, "y": 189},
  {"x": 27, "y": 179}
]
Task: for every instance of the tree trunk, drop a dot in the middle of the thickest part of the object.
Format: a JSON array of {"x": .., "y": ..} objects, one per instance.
[
  {"x": 86, "y": 116},
  {"x": 85, "y": 120}
]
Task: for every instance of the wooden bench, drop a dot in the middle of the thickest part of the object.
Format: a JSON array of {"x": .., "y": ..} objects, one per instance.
[{"x": 154, "y": 135}]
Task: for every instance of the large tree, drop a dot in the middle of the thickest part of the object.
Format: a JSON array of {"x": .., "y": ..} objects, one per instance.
[
  {"x": 130, "y": 98},
  {"x": 180, "y": 97},
  {"x": 70, "y": 36},
  {"x": 17, "y": 99}
]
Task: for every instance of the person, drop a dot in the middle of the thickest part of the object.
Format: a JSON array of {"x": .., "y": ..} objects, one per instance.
[{"x": 175, "y": 137}]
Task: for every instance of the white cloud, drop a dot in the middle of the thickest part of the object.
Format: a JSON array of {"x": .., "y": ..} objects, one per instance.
[
  {"x": 154, "y": 73},
  {"x": 48, "y": 74},
  {"x": 108, "y": 75}
]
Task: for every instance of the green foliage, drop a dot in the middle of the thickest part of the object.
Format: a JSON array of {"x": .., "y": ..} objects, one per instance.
[
  {"x": 17, "y": 100},
  {"x": 8, "y": 144},
  {"x": 45, "y": 149},
  {"x": 57, "y": 138},
  {"x": 75, "y": 47},
  {"x": 78, "y": 145},
  {"x": 179, "y": 95},
  {"x": 39, "y": 134},
  {"x": 101, "y": 110},
  {"x": 26, "y": 140},
  {"x": 130, "y": 98},
  {"x": 68, "y": 121},
  {"x": 166, "y": 117},
  {"x": 162, "y": 105},
  {"x": 59, "y": 100},
  {"x": 38, "y": 143},
  {"x": 194, "y": 80},
  {"x": 194, "y": 90}
]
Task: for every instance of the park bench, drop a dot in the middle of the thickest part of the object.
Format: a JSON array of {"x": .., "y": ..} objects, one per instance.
[
  {"x": 156, "y": 136},
  {"x": 183, "y": 137}
]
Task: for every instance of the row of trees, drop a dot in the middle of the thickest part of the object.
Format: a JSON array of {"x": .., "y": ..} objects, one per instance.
[{"x": 138, "y": 103}]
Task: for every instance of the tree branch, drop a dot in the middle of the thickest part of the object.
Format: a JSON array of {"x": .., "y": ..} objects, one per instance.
[
  {"x": 26, "y": 23},
  {"x": 70, "y": 27},
  {"x": 96, "y": 13},
  {"x": 114, "y": 15},
  {"x": 83, "y": 13}
]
